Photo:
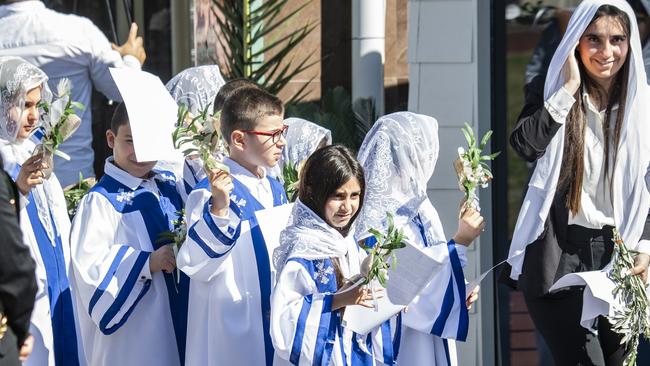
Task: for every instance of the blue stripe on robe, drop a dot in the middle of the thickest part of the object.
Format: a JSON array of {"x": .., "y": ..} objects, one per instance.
[
  {"x": 64, "y": 334},
  {"x": 158, "y": 214},
  {"x": 463, "y": 317},
  {"x": 448, "y": 299},
  {"x": 248, "y": 205},
  {"x": 322, "y": 272},
  {"x": 398, "y": 337},
  {"x": 294, "y": 358},
  {"x": 359, "y": 356},
  {"x": 123, "y": 294},
  {"x": 387, "y": 343},
  {"x": 447, "y": 356},
  {"x": 107, "y": 278}
]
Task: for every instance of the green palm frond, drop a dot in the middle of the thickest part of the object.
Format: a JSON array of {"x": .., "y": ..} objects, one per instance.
[{"x": 246, "y": 24}]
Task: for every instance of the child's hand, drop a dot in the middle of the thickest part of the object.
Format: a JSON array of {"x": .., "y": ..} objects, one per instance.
[
  {"x": 162, "y": 259},
  {"x": 221, "y": 186},
  {"x": 571, "y": 73},
  {"x": 360, "y": 295},
  {"x": 31, "y": 174},
  {"x": 470, "y": 226},
  {"x": 26, "y": 349},
  {"x": 472, "y": 298}
]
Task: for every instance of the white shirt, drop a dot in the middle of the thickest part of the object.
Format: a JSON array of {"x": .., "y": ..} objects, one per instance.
[
  {"x": 259, "y": 187},
  {"x": 596, "y": 208},
  {"x": 64, "y": 46}
]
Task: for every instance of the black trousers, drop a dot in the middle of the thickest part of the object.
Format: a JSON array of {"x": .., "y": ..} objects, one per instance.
[{"x": 557, "y": 315}]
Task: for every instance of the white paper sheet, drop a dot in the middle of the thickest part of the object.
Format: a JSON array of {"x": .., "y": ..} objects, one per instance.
[
  {"x": 412, "y": 272},
  {"x": 272, "y": 221},
  {"x": 152, "y": 114},
  {"x": 597, "y": 299}
]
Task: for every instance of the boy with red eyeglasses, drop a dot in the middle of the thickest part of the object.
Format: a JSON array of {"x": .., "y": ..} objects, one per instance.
[{"x": 225, "y": 254}]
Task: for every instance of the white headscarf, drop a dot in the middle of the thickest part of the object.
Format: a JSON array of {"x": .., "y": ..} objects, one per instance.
[
  {"x": 17, "y": 77},
  {"x": 631, "y": 198},
  {"x": 196, "y": 87},
  {"x": 303, "y": 138},
  {"x": 308, "y": 236},
  {"x": 398, "y": 156}
]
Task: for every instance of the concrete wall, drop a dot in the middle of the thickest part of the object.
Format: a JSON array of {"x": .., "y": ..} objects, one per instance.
[{"x": 449, "y": 76}]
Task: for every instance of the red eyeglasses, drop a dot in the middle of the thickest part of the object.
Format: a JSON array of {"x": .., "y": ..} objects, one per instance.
[{"x": 274, "y": 134}]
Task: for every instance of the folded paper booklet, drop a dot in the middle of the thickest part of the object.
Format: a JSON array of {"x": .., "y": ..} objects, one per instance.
[{"x": 413, "y": 270}]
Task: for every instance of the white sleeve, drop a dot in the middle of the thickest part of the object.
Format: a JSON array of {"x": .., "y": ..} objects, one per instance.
[
  {"x": 111, "y": 277},
  {"x": 300, "y": 316},
  {"x": 643, "y": 247},
  {"x": 440, "y": 307},
  {"x": 209, "y": 238},
  {"x": 559, "y": 105},
  {"x": 102, "y": 57}
]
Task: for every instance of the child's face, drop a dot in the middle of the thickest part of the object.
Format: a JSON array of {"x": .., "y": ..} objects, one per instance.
[
  {"x": 124, "y": 153},
  {"x": 341, "y": 207},
  {"x": 261, "y": 150},
  {"x": 29, "y": 117}
]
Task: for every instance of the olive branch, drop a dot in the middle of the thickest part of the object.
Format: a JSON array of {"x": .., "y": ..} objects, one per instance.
[
  {"x": 382, "y": 252},
  {"x": 199, "y": 135},
  {"x": 631, "y": 319}
]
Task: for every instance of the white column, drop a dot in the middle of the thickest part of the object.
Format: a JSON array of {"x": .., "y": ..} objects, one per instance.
[{"x": 368, "y": 33}]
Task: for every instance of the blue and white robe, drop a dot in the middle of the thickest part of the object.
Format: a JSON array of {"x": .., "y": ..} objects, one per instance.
[
  {"x": 229, "y": 264},
  {"x": 45, "y": 226},
  {"x": 191, "y": 169},
  {"x": 128, "y": 315},
  {"x": 305, "y": 330},
  {"x": 438, "y": 315}
]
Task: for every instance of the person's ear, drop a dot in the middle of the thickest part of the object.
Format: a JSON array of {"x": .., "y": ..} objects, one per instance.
[
  {"x": 237, "y": 140},
  {"x": 110, "y": 138}
]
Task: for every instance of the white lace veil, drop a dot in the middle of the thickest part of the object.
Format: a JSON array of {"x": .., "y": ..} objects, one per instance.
[
  {"x": 196, "y": 87},
  {"x": 303, "y": 138},
  {"x": 631, "y": 199},
  {"x": 308, "y": 236},
  {"x": 398, "y": 156},
  {"x": 17, "y": 77}
]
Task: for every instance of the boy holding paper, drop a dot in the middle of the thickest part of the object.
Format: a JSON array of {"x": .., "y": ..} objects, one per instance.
[
  {"x": 229, "y": 305},
  {"x": 132, "y": 307}
]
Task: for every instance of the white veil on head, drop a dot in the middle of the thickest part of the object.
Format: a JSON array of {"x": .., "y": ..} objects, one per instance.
[
  {"x": 17, "y": 77},
  {"x": 308, "y": 236},
  {"x": 631, "y": 199},
  {"x": 398, "y": 156},
  {"x": 303, "y": 138},
  {"x": 196, "y": 87}
]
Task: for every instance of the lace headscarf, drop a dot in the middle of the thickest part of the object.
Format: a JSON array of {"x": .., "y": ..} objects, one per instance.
[
  {"x": 196, "y": 87},
  {"x": 398, "y": 156},
  {"x": 308, "y": 236},
  {"x": 303, "y": 138},
  {"x": 631, "y": 199},
  {"x": 17, "y": 77}
]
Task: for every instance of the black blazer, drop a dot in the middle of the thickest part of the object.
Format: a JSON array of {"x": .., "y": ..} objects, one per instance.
[
  {"x": 534, "y": 131},
  {"x": 17, "y": 274}
]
